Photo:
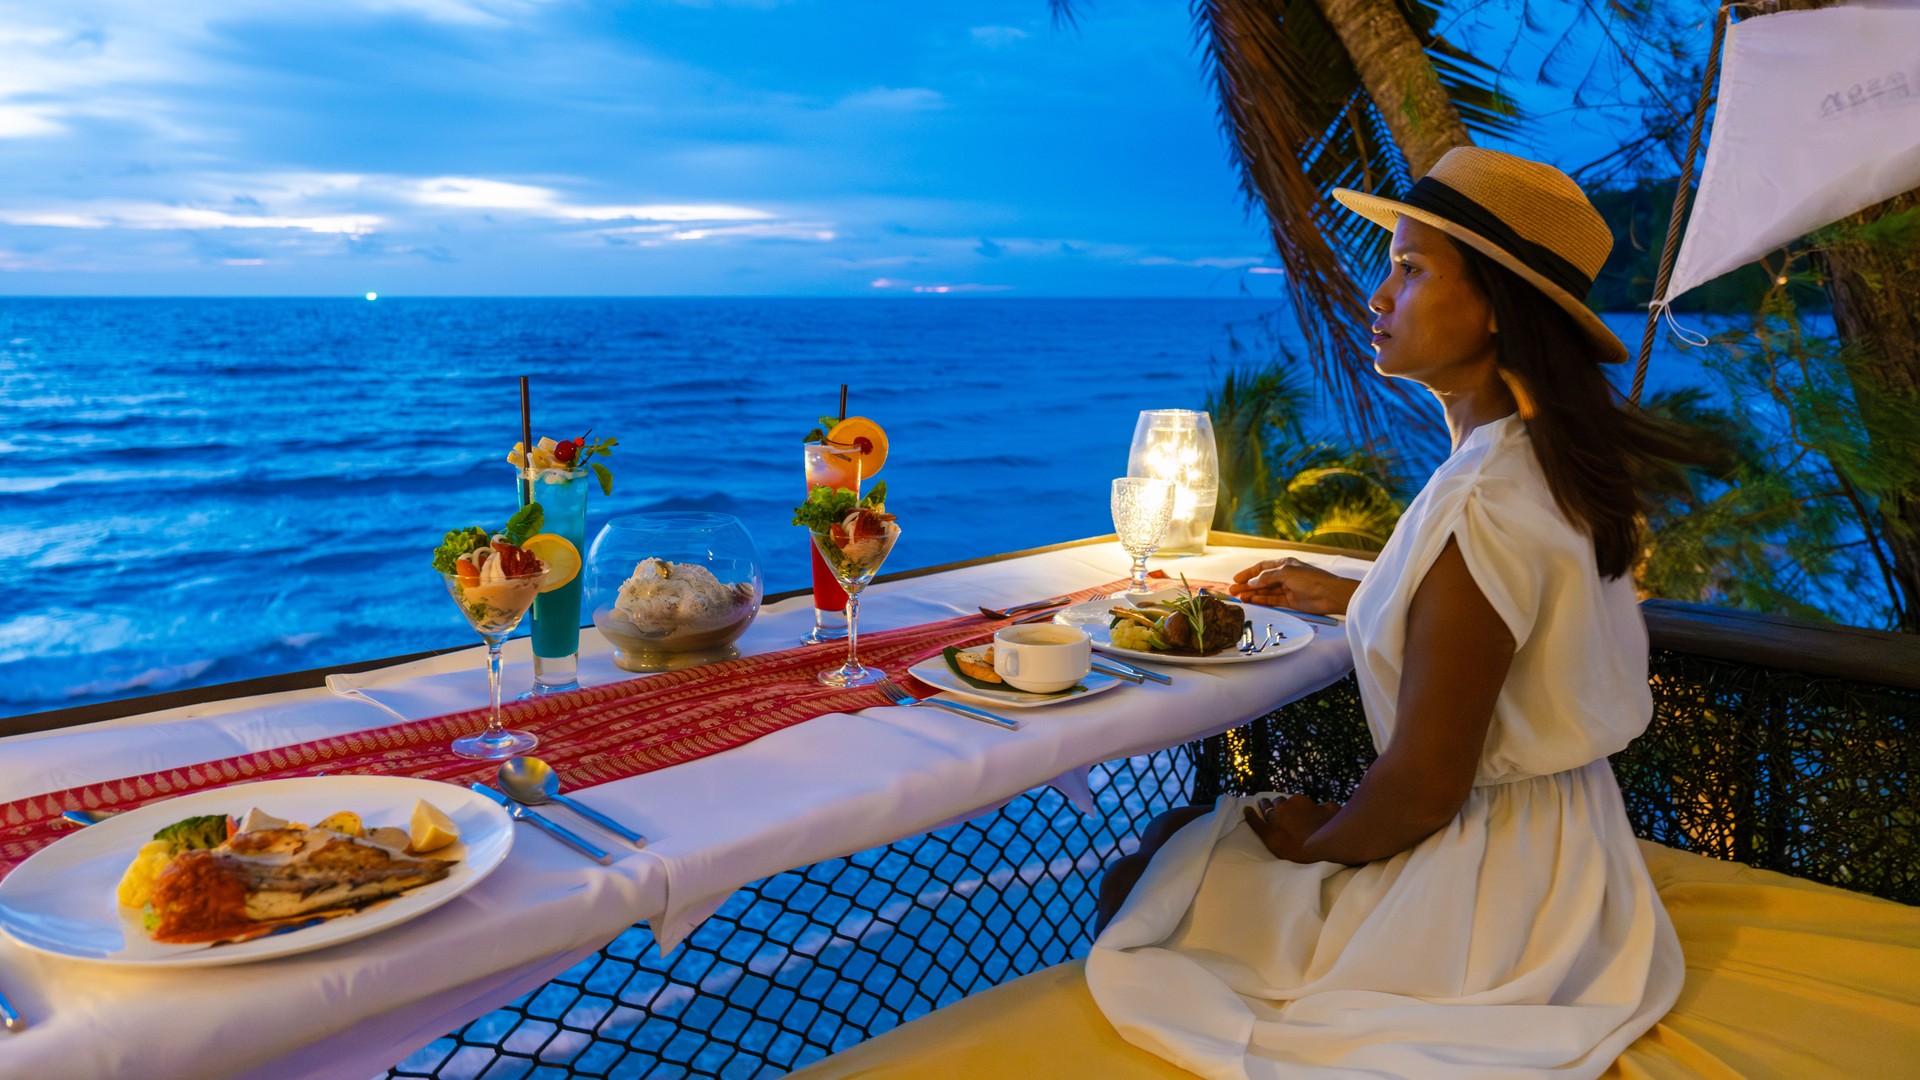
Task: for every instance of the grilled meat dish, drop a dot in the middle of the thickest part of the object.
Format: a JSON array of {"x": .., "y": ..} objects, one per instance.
[
  {"x": 260, "y": 880},
  {"x": 1220, "y": 625}
]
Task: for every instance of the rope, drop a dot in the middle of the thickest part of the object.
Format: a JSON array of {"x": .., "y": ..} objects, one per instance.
[{"x": 1671, "y": 249}]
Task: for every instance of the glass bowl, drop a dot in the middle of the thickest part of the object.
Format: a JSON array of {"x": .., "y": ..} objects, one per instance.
[{"x": 672, "y": 590}]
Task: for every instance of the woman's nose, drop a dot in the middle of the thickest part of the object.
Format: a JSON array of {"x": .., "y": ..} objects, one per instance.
[{"x": 1380, "y": 301}]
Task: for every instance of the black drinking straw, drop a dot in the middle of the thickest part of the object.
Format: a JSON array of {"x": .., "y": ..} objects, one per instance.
[
  {"x": 526, "y": 444},
  {"x": 843, "y": 401}
]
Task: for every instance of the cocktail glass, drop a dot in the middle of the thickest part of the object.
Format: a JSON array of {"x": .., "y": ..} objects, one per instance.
[
  {"x": 1142, "y": 508},
  {"x": 562, "y": 495},
  {"x": 853, "y": 567},
  {"x": 494, "y": 610},
  {"x": 829, "y": 466}
]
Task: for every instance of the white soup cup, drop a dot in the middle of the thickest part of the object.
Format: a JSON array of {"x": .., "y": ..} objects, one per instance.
[{"x": 1042, "y": 658}]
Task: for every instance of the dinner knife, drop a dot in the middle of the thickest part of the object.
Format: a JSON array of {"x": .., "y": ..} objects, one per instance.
[
  {"x": 1118, "y": 673},
  {"x": 1306, "y": 616},
  {"x": 558, "y": 832},
  {"x": 1145, "y": 673}
]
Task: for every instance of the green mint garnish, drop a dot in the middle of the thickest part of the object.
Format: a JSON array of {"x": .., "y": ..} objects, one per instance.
[{"x": 524, "y": 523}]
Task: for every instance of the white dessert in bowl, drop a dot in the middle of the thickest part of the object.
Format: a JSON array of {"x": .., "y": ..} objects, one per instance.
[{"x": 672, "y": 614}]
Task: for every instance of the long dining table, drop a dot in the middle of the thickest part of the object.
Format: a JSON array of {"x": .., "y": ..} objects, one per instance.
[{"x": 825, "y": 788}]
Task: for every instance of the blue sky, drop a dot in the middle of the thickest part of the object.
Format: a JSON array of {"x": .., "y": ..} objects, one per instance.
[{"x": 562, "y": 147}]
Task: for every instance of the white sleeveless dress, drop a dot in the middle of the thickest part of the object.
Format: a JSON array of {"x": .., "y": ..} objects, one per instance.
[{"x": 1525, "y": 939}]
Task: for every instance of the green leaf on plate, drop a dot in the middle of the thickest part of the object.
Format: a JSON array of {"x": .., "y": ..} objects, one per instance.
[{"x": 951, "y": 652}]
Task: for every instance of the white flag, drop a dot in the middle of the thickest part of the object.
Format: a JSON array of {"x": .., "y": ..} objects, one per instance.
[{"x": 1818, "y": 117}]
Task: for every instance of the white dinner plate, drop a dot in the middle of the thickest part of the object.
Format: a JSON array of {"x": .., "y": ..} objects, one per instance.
[
  {"x": 1092, "y": 616},
  {"x": 934, "y": 672},
  {"x": 62, "y": 900}
]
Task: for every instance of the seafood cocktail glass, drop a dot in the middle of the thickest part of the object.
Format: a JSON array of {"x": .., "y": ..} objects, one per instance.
[
  {"x": 1142, "y": 509},
  {"x": 562, "y": 493},
  {"x": 829, "y": 466},
  {"x": 853, "y": 562},
  {"x": 494, "y": 609}
]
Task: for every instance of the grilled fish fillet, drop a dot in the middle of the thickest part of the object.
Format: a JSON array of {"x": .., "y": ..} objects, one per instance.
[{"x": 273, "y": 875}]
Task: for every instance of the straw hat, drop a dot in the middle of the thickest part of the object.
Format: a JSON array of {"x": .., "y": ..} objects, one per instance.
[{"x": 1528, "y": 217}]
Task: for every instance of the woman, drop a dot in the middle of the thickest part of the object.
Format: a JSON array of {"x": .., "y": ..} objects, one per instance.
[{"x": 1479, "y": 907}]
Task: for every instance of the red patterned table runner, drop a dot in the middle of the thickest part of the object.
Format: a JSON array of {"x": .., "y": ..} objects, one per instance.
[{"x": 590, "y": 736}]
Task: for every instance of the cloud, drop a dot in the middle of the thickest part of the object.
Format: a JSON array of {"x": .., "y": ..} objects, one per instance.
[
  {"x": 1216, "y": 262},
  {"x": 777, "y": 231},
  {"x": 897, "y": 285},
  {"x": 891, "y": 99},
  {"x": 476, "y": 193},
  {"x": 25, "y": 122},
  {"x": 499, "y": 13},
  {"x": 356, "y": 205},
  {"x": 134, "y": 215},
  {"x": 486, "y": 145},
  {"x": 998, "y": 37}
]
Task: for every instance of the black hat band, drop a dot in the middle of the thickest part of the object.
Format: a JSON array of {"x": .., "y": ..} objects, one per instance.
[{"x": 1437, "y": 198}]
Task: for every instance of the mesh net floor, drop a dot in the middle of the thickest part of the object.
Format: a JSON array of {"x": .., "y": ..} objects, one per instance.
[{"x": 814, "y": 960}]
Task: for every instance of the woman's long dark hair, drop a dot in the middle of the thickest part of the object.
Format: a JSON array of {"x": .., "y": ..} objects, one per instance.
[{"x": 1600, "y": 454}]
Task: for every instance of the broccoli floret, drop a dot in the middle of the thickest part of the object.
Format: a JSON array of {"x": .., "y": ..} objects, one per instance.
[{"x": 195, "y": 833}]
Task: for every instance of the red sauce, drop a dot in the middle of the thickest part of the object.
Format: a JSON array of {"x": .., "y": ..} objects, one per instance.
[{"x": 198, "y": 897}]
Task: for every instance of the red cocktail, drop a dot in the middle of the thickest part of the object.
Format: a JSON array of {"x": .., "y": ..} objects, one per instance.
[{"x": 829, "y": 465}]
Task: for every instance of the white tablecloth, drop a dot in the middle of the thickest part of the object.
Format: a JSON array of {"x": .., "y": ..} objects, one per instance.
[{"x": 823, "y": 789}]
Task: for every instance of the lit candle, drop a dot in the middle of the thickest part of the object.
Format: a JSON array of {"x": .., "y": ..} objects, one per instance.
[{"x": 1177, "y": 445}]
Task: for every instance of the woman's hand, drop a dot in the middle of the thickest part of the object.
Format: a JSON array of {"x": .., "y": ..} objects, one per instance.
[
  {"x": 1285, "y": 824},
  {"x": 1290, "y": 583}
]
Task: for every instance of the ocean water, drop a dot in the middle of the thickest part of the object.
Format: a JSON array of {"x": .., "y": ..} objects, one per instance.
[{"x": 196, "y": 491}]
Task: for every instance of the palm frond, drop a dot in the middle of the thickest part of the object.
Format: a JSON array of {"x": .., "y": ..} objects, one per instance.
[
  {"x": 1292, "y": 108},
  {"x": 1362, "y": 528},
  {"x": 1300, "y": 123},
  {"x": 1253, "y": 409}
]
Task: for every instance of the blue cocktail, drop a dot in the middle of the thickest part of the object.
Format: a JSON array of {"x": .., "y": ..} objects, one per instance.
[{"x": 562, "y": 494}]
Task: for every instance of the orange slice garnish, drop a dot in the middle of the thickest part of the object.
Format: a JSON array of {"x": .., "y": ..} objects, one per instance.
[
  {"x": 561, "y": 557},
  {"x": 869, "y": 437}
]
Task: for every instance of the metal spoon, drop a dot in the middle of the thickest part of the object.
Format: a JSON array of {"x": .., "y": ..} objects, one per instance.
[{"x": 533, "y": 782}]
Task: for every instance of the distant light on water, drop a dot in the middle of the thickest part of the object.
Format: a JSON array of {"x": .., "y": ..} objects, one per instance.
[{"x": 373, "y": 296}]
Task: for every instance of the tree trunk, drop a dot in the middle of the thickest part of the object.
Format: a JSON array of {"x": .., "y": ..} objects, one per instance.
[
  {"x": 1873, "y": 289},
  {"x": 1399, "y": 78}
]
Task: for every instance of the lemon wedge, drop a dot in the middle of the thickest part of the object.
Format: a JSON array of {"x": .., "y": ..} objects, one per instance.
[
  {"x": 431, "y": 828},
  {"x": 561, "y": 557},
  {"x": 346, "y": 821}
]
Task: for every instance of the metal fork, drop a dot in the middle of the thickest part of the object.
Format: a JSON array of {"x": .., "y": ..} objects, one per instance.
[
  {"x": 902, "y": 698},
  {"x": 1272, "y": 637},
  {"x": 1001, "y": 613}
]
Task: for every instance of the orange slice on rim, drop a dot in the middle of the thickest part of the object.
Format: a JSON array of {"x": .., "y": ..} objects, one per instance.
[
  {"x": 561, "y": 557},
  {"x": 868, "y": 436}
]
